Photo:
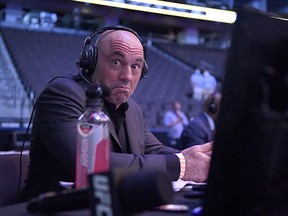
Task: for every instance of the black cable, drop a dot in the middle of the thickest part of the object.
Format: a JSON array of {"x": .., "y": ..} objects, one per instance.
[{"x": 21, "y": 151}]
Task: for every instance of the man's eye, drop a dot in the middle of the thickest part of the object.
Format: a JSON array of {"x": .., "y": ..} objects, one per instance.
[
  {"x": 136, "y": 67},
  {"x": 116, "y": 62}
]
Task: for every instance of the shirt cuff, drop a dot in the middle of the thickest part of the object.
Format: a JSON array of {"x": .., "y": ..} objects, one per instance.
[
  {"x": 182, "y": 165},
  {"x": 173, "y": 166}
]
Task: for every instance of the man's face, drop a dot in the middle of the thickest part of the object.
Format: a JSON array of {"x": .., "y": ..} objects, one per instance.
[
  {"x": 177, "y": 106},
  {"x": 119, "y": 65}
]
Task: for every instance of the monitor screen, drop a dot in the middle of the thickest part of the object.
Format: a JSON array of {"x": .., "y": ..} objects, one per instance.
[{"x": 249, "y": 167}]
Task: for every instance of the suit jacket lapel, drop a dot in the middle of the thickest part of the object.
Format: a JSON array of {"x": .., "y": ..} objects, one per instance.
[
  {"x": 113, "y": 132},
  {"x": 208, "y": 128}
]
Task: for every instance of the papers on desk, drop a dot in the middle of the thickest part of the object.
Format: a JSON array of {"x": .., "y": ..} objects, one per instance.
[
  {"x": 67, "y": 185},
  {"x": 180, "y": 184},
  {"x": 13, "y": 152}
]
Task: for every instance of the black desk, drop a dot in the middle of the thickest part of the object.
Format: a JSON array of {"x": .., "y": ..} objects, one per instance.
[{"x": 20, "y": 209}]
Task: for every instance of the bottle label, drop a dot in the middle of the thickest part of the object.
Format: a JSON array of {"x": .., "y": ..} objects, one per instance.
[{"x": 93, "y": 149}]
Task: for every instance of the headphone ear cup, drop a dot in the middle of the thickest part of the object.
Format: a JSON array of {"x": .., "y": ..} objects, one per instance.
[
  {"x": 145, "y": 67},
  {"x": 93, "y": 53},
  {"x": 88, "y": 60},
  {"x": 144, "y": 70},
  {"x": 212, "y": 108},
  {"x": 82, "y": 61}
]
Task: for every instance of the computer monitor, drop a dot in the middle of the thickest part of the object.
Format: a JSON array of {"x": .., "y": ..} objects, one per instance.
[{"x": 249, "y": 167}]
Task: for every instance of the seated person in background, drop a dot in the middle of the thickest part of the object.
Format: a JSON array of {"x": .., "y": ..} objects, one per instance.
[
  {"x": 117, "y": 60},
  {"x": 175, "y": 120},
  {"x": 201, "y": 129}
]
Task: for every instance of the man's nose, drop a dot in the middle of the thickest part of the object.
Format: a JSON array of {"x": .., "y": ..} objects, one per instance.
[{"x": 126, "y": 73}]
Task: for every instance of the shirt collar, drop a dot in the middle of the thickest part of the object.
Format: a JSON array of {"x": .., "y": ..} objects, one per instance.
[
  {"x": 210, "y": 121},
  {"x": 112, "y": 107}
]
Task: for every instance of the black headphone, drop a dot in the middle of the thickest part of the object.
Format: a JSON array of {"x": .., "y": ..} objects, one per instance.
[
  {"x": 88, "y": 58},
  {"x": 212, "y": 105}
]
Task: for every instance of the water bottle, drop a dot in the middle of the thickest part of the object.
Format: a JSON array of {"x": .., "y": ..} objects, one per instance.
[{"x": 93, "y": 139}]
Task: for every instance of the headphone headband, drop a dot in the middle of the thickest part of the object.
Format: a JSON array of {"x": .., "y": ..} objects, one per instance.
[
  {"x": 88, "y": 58},
  {"x": 101, "y": 30}
]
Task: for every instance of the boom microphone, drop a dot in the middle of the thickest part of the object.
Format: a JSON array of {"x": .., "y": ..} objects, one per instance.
[
  {"x": 145, "y": 190},
  {"x": 59, "y": 201}
]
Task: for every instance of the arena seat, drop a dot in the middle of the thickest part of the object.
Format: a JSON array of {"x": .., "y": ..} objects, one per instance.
[{"x": 10, "y": 173}]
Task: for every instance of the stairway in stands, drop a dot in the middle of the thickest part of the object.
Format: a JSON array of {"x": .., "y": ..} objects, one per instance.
[{"x": 15, "y": 105}]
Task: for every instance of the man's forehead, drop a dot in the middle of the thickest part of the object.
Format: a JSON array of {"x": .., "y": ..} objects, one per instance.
[
  {"x": 118, "y": 36},
  {"x": 135, "y": 55},
  {"x": 123, "y": 43}
]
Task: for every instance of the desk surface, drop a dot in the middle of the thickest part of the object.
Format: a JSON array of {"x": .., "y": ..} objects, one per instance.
[{"x": 20, "y": 209}]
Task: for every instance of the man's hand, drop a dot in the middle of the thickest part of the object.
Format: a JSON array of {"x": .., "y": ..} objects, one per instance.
[{"x": 198, "y": 159}]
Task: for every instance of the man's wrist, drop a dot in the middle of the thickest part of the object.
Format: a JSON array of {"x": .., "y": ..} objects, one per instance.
[{"x": 182, "y": 165}]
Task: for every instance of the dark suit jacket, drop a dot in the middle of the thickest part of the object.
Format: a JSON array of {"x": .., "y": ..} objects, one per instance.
[
  {"x": 197, "y": 131},
  {"x": 54, "y": 134}
]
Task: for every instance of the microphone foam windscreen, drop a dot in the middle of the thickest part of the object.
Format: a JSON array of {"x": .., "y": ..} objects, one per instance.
[{"x": 145, "y": 190}]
